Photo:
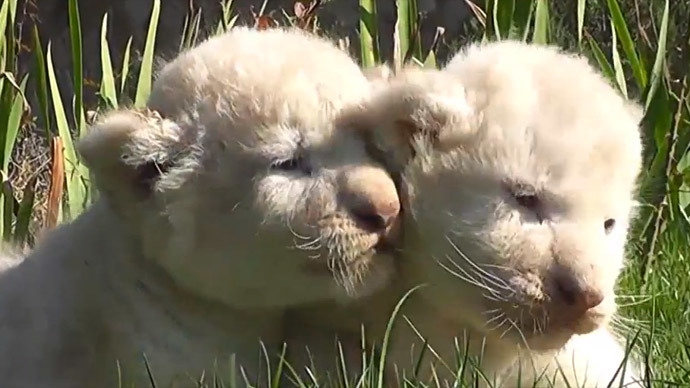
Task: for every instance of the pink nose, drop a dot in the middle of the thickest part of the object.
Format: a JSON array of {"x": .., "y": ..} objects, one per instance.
[
  {"x": 376, "y": 216},
  {"x": 580, "y": 298}
]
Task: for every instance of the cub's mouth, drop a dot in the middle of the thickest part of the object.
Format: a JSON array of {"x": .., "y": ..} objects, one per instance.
[
  {"x": 541, "y": 327},
  {"x": 355, "y": 258}
]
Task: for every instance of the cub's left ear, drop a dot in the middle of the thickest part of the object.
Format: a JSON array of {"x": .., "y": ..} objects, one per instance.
[
  {"x": 417, "y": 112},
  {"x": 130, "y": 151}
]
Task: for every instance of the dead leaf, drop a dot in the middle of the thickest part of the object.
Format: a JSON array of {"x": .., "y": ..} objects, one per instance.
[
  {"x": 264, "y": 22},
  {"x": 57, "y": 180}
]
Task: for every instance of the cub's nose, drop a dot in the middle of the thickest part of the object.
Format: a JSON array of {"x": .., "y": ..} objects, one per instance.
[
  {"x": 578, "y": 297},
  {"x": 376, "y": 216},
  {"x": 370, "y": 196}
]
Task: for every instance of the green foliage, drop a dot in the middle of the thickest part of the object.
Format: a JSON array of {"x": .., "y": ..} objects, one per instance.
[
  {"x": 13, "y": 107},
  {"x": 146, "y": 71},
  {"x": 107, "y": 91},
  {"x": 368, "y": 33}
]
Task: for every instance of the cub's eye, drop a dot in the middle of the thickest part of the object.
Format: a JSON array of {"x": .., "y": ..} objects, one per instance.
[
  {"x": 294, "y": 164},
  {"x": 526, "y": 196},
  {"x": 286, "y": 165},
  {"x": 530, "y": 201},
  {"x": 609, "y": 224}
]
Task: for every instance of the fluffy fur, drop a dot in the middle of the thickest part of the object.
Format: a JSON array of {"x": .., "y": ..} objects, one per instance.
[
  {"x": 519, "y": 165},
  {"x": 233, "y": 196}
]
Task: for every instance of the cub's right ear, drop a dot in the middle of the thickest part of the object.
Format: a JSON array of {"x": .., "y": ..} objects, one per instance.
[
  {"x": 130, "y": 151},
  {"x": 418, "y": 112}
]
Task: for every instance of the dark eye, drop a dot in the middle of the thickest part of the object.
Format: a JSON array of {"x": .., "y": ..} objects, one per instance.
[
  {"x": 609, "y": 224},
  {"x": 525, "y": 196},
  {"x": 530, "y": 201}
]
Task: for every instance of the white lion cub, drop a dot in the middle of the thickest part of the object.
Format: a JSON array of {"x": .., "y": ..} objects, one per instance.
[
  {"x": 519, "y": 166},
  {"x": 232, "y": 197}
]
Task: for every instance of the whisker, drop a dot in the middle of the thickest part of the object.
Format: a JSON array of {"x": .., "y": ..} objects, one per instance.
[
  {"x": 500, "y": 325},
  {"x": 497, "y": 317},
  {"x": 312, "y": 245},
  {"x": 469, "y": 279},
  {"x": 501, "y": 267},
  {"x": 494, "y": 292},
  {"x": 293, "y": 232},
  {"x": 496, "y": 280},
  {"x": 493, "y": 299},
  {"x": 492, "y": 311},
  {"x": 510, "y": 327}
]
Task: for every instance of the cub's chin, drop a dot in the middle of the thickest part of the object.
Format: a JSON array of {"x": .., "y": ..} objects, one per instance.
[{"x": 558, "y": 332}]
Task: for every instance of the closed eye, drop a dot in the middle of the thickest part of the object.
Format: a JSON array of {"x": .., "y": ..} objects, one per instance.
[
  {"x": 292, "y": 164},
  {"x": 527, "y": 197}
]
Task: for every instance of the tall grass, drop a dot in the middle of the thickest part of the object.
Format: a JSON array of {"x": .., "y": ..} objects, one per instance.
[{"x": 640, "y": 68}]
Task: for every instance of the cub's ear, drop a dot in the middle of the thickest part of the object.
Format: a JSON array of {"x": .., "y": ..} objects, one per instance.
[
  {"x": 418, "y": 111},
  {"x": 129, "y": 151}
]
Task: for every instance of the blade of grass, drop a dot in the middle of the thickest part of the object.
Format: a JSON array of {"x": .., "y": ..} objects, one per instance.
[
  {"x": 9, "y": 114},
  {"x": 41, "y": 83},
  {"x": 402, "y": 33},
  {"x": 278, "y": 374},
  {"x": 521, "y": 19},
  {"x": 388, "y": 332},
  {"x": 342, "y": 367},
  {"x": 4, "y": 14},
  {"x": 541, "y": 23},
  {"x": 4, "y": 215},
  {"x": 430, "y": 61},
  {"x": 7, "y": 207},
  {"x": 183, "y": 39},
  {"x": 107, "y": 91},
  {"x": 581, "y": 6},
  {"x": 149, "y": 372},
  {"x": 13, "y": 10},
  {"x": 619, "y": 25},
  {"x": 416, "y": 30},
  {"x": 660, "y": 57},
  {"x": 146, "y": 70},
  {"x": 14, "y": 122},
  {"x": 190, "y": 30},
  {"x": 124, "y": 72},
  {"x": 368, "y": 33},
  {"x": 503, "y": 17},
  {"x": 77, "y": 66},
  {"x": 604, "y": 65},
  {"x": 75, "y": 190},
  {"x": 617, "y": 65},
  {"x": 226, "y": 20}
]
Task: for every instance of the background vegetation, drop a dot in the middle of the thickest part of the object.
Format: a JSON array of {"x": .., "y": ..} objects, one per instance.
[{"x": 642, "y": 46}]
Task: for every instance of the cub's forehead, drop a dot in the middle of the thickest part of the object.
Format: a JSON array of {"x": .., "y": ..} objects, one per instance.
[
  {"x": 549, "y": 114},
  {"x": 260, "y": 80}
]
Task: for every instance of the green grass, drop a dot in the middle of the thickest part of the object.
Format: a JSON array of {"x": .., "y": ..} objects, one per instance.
[{"x": 642, "y": 47}]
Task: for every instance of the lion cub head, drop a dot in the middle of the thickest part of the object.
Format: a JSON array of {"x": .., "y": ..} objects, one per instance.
[
  {"x": 519, "y": 165},
  {"x": 236, "y": 179}
]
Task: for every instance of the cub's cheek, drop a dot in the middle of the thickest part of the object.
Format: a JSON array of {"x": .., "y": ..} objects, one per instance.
[{"x": 278, "y": 197}]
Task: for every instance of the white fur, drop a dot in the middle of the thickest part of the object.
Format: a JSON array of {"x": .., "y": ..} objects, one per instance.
[
  {"x": 463, "y": 140},
  {"x": 204, "y": 235}
]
